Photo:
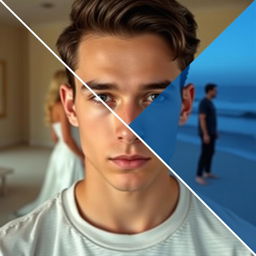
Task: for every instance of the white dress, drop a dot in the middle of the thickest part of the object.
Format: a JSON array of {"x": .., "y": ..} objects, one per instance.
[{"x": 64, "y": 168}]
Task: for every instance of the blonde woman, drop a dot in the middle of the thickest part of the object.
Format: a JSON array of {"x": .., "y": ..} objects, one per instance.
[{"x": 65, "y": 165}]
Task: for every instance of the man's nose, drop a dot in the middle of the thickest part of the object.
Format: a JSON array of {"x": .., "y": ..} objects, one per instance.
[{"x": 128, "y": 112}]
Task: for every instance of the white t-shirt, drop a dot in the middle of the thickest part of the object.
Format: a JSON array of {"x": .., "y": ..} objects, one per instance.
[{"x": 57, "y": 229}]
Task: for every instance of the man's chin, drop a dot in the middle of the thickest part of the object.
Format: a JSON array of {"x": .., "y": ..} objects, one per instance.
[{"x": 128, "y": 184}]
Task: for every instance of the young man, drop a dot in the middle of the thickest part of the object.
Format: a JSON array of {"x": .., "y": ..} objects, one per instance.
[
  {"x": 208, "y": 133},
  {"x": 128, "y": 52}
]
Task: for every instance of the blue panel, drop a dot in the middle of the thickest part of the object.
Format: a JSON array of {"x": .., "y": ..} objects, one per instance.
[{"x": 230, "y": 62}]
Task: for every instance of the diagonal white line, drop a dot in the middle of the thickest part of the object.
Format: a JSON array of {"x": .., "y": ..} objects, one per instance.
[{"x": 124, "y": 123}]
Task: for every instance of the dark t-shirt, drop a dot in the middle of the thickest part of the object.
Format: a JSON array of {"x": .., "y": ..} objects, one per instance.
[{"x": 207, "y": 107}]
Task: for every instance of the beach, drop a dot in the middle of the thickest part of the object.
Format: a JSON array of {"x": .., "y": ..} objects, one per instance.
[{"x": 234, "y": 189}]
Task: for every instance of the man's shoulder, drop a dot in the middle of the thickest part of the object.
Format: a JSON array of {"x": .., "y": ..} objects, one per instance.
[
  {"x": 202, "y": 217},
  {"x": 25, "y": 232},
  {"x": 31, "y": 218},
  {"x": 204, "y": 101},
  {"x": 210, "y": 229}
]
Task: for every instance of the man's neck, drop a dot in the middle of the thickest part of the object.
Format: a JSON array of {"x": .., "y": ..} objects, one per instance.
[
  {"x": 208, "y": 96},
  {"x": 127, "y": 212}
]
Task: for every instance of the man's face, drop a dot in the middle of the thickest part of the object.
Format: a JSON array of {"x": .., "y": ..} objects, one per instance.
[
  {"x": 127, "y": 73},
  {"x": 214, "y": 92}
]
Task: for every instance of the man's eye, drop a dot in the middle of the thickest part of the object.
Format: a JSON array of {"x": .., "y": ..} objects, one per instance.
[
  {"x": 152, "y": 97},
  {"x": 103, "y": 97},
  {"x": 161, "y": 97}
]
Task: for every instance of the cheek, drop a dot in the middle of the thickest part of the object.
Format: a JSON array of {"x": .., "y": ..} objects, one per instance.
[
  {"x": 88, "y": 113},
  {"x": 95, "y": 125}
]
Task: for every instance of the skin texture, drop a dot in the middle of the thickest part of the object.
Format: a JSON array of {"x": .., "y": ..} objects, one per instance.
[{"x": 114, "y": 197}]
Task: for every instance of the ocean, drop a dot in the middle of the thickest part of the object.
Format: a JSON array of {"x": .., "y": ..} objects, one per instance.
[{"x": 236, "y": 110}]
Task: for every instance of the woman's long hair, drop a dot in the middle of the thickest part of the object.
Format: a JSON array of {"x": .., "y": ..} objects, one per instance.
[{"x": 53, "y": 95}]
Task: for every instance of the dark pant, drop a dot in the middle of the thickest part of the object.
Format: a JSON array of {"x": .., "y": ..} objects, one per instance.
[{"x": 205, "y": 159}]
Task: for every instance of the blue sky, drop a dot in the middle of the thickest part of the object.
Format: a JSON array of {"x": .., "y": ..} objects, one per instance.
[{"x": 231, "y": 59}]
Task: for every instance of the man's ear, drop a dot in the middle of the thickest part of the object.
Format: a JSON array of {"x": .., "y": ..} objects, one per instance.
[
  {"x": 67, "y": 99},
  {"x": 188, "y": 94}
]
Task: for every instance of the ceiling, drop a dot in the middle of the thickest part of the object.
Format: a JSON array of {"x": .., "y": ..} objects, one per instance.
[{"x": 32, "y": 12}]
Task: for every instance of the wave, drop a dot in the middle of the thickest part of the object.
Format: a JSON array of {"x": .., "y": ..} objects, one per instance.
[{"x": 230, "y": 109}]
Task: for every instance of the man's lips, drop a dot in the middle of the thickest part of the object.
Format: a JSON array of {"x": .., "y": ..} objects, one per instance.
[{"x": 129, "y": 161}]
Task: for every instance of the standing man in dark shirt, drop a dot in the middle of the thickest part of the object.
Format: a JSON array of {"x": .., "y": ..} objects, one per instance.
[{"x": 208, "y": 133}]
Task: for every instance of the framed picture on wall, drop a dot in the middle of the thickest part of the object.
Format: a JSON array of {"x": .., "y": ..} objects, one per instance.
[{"x": 2, "y": 88}]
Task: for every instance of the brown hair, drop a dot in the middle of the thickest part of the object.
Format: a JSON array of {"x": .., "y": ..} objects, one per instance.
[{"x": 167, "y": 18}]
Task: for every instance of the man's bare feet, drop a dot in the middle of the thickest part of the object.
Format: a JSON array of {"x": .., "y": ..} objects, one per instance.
[
  {"x": 210, "y": 176},
  {"x": 201, "y": 181}
]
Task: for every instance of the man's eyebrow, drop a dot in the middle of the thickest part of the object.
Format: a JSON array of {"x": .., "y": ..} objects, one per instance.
[
  {"x": 156, "y": 85},
  {"x": 94, "y": 85}
]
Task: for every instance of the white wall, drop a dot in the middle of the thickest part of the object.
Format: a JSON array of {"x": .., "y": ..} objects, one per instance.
[
  {"x": 42, "y": 65},
  {"x": 214, "y": 20},
  {"x": 14, "y": 126}
]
